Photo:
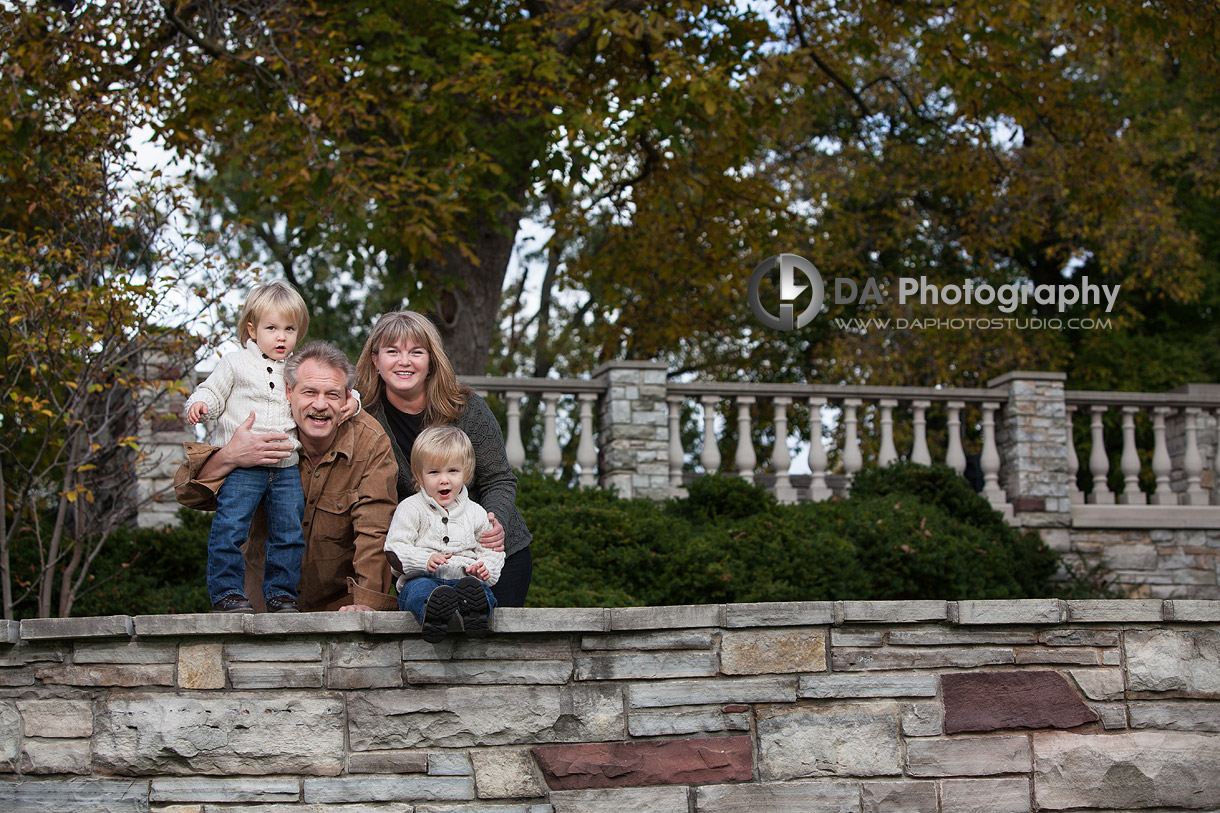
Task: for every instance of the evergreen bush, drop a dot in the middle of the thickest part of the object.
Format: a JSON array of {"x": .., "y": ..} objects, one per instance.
[{"x": 906, "y": 532}]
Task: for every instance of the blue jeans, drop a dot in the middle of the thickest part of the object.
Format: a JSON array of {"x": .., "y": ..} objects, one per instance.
[
  {"x": 244, "y": 490},
  {"x": 414, "y": 594}
]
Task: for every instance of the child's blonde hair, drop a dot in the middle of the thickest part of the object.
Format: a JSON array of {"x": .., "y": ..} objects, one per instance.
[
  {"x": 268, "y": 297},
  {"x": 441, "y": 444}
]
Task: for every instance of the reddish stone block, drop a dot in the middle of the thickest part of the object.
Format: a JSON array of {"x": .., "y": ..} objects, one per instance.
[
  {"x": 993, "y": 701},
  {"x": 702, "y": 761},
  {"x": 1025, "y": 504}
]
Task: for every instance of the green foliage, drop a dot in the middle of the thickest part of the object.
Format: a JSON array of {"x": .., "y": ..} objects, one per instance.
[
  {"x": 137, "y": 572},
  {"x": 907, "y": 532},
  {"x": 721, "y": 498},
  {"x": 588, "y": 534},
  {"x": 156, "y": 571}
]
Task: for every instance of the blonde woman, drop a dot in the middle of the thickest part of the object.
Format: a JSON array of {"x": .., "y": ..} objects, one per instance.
[{"x": 407, "y": 383}]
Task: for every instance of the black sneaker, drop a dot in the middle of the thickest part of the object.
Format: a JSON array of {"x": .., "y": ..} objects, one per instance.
[
  {"x": 282, "y": 604},
  {"x": 233, "y": 603},
  {"x": 442, "y": 604},
  {"x": 473, "y": 606}
]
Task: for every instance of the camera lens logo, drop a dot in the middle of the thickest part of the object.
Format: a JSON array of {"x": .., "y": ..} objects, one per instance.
[{"x": 789, "y": 290}]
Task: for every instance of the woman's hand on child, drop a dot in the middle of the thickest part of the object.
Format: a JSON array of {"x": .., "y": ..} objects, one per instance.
[
  {"x": 479, "y": 571},
  {"x": 493, "y": 539},
  {"x": 436, "y": 560}
]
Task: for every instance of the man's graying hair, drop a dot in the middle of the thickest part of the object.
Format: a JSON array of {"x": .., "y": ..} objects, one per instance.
[{"x": 324, "y": 353}]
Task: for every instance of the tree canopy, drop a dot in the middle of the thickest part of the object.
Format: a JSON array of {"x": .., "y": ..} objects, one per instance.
[{"x": 384, "y": 155}]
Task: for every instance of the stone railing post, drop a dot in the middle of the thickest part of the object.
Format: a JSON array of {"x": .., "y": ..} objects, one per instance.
[
  {"x": 1032, "y": 432},
  {"x": 162, "y": 431},
  {"x": 1191, "y": 438},
  {"x": 634, "y": 429}
]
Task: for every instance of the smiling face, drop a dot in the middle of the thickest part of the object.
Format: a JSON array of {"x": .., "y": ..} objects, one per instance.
[
  {"x": 275, "y": 334},
  {"x": 404, "y": 369},
  {"x": 442, "y": 480},
  {"x": 315, "y": 401}
]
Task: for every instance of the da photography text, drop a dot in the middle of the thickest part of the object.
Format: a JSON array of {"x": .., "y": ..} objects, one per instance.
[{"x": 797, "y": 275}]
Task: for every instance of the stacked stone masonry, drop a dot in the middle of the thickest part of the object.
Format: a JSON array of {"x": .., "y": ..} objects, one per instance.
[{"x": 838, "y": 706}]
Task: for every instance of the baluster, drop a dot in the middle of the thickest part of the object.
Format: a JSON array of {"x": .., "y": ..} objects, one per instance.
[
  {"x": 989, "y": 460},
  {"x": 955, "y": 456},
  {"x": 919, "y": 423},
  {"x": 1216, "y": 464},
  {"x": 818, "y": 490},
  {"x": 1099, "y": 462},
  {"x": 781, "y": 460},
  {"x": 887, "y": 454},
  {"x": 1161, "y": 464},
  {"x": 1192, "y": 461},
  {"x": 551, "y": 455},
  {"x": 852, "y": 461},
  {"x": 676, "y": 455},
  {"x": 586, "y": 450},
  {"x": 1130, "y": 463},
  {"x": 745, "y": 459},
  {"x": 1074, "y": 492},
  {"x": 514, "y": 449},
  {"x": 710, "y": 456}
]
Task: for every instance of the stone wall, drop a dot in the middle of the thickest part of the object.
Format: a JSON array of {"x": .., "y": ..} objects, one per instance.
[
  {"x": 1142, "y": 562},
  {"x": 836, "y": 706}
]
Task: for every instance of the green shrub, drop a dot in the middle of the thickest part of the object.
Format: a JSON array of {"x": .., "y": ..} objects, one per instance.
[
  {"x": 907, "y": 532},
  {"x": 781, "y": 555},
  {"x": 717, "y": 498},
  {"x": 592, "y": 548},
  {"x": 150, "y": 572}
]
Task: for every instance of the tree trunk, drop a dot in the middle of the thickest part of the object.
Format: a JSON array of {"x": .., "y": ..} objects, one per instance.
[
  {"x": 6, "y": 576},
  {"x": 467, "y": 315}
]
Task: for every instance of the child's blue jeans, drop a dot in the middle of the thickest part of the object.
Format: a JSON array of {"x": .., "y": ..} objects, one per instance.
[
  {"x": 279, "y": 492},
  {"x": 414, "y": 594}
]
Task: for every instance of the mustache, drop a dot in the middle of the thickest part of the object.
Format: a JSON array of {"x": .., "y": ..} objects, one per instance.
[{"x": 319, "y": 413}]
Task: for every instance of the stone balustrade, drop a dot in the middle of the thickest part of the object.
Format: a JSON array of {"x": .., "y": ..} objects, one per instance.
[
  {"x": 835, "y": 706},
  {"x": 1020, "y": 434},
  {"x": 1183, "y": 458}
]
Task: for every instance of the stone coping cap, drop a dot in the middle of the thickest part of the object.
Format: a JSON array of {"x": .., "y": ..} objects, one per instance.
[
  {"x": 511, "y": 620},
  {"x": 607, "y": 366},
  {"x": 1025, "y": 375}
]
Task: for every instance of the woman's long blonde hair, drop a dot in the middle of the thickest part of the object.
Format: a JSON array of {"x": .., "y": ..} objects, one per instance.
[{"x": 446, "y": 396}]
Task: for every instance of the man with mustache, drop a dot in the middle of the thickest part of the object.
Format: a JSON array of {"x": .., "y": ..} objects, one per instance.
[{"x": 348, "y": 474}]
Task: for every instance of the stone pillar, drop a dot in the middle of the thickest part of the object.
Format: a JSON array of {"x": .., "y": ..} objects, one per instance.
[
  {"x": 634, "y": 429},
  {"x": 168, "y": 379},
  {"x": 1032, "y": 434},
  {"x": 1205, "y": 428}
]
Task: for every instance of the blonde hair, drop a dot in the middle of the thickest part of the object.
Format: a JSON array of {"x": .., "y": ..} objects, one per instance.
[
  {"x": 441, "y": 444},
  {"x": 445, "y": 396},
  {"x": 278, "y": 297}
]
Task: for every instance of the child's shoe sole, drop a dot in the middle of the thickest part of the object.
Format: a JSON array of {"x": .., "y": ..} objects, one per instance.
[
  {"x": 441, "y": 605},
  {"x": 473, "y": 606}
]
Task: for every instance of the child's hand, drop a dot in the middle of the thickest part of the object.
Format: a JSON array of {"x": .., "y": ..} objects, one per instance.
[
  {"x": 479, "y": 571},
  {"x": 196, "y": 413},
  {"x": 436, "y": 560},
  {"x": 350, "y": 408}
]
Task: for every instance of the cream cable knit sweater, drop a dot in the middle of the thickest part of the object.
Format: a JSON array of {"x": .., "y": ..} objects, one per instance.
[{"x": 245, "y": 381}]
